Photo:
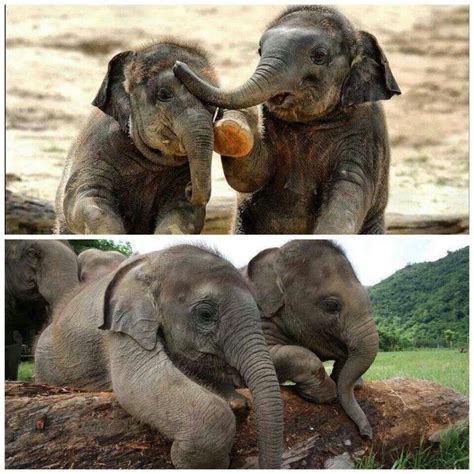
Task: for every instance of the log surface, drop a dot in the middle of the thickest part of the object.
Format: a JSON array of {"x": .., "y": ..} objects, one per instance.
[
  {"x": 26, "y": 215},
  {"x": 51, "y": 427}
]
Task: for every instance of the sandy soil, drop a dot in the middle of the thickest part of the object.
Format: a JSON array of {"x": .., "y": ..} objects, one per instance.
[{"x": 57, "y": 57}]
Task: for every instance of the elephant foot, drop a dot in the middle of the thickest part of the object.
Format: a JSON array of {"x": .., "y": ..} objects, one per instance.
[
  {"x": 239, "y": 405},
  {"x": 233, "y": 137},
  {"x": 321, "y": 389}
]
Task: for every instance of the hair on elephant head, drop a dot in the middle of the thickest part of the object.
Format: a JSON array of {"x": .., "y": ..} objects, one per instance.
[
  {"x": 95, "y": 263},
  {"x": 312, "y": 63},
  {"x": 197, "y": 306},
  {"x": 141, "y": 92},
  {"x": 310, "y": 291}
]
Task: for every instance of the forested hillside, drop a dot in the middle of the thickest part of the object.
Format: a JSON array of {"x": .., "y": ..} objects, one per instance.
[{"x": 424, "y": 304}]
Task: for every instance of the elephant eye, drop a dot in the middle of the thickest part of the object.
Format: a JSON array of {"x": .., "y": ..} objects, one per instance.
[
  {"x": 331, "y": 305},
  {"x": 319, "y": 56},
  {"x": 33, "y": 253},
  {"x": 164, "y": 95},
  {"x": 205, "y": 313}
]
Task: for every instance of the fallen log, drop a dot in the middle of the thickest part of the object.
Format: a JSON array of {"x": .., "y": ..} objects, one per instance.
[
  {"x": 25, "y": 215},
  {"x": 51, "y": 427}
]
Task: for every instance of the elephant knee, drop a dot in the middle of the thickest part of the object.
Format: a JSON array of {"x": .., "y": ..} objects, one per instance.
[{"x": 209, "y": 440}]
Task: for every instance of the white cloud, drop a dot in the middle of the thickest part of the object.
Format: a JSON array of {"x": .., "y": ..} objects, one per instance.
[{"x": 373, "y": 257}]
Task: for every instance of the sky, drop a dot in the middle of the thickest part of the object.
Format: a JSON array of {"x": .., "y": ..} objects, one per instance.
[{"x": 374, "y": 258}]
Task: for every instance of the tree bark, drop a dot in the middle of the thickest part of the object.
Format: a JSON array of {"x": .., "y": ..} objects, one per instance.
[
  {"x": 50, "y": 427},
  {"x": 26, "y": 215}
]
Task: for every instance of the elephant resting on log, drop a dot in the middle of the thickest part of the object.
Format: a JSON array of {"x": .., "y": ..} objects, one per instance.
[{"x": 50, "y": 427}]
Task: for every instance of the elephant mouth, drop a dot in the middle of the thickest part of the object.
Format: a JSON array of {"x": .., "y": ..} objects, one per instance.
[
  {"x": 151, "y": 152},
  {"x": 279, "y": 99}
]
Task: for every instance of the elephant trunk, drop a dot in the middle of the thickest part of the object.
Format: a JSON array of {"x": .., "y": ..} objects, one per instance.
[
  {"x": 363, "y": 347},
  {"x": 195, "y": 131},
  {"x": 246, "y": 350},
  {"x": 268, "y": 80}
]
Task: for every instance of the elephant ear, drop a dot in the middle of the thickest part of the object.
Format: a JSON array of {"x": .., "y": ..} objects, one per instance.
[
  {"x": 127, "y": 305},
  {"x": 370, "y": 78},
  {"x": 265, "y": 282},
  {"x": 112, "y": 97}
]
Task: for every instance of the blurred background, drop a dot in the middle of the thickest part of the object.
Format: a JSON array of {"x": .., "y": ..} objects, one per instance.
[{"x": 57, "y": 57}]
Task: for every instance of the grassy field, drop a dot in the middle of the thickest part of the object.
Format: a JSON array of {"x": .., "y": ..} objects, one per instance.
[
  {"x": 446, "y": 367},
  {"x": 25, "y": 372}
]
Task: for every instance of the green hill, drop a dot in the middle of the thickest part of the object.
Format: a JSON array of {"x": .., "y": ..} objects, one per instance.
[{"x": 417, "y": 304}]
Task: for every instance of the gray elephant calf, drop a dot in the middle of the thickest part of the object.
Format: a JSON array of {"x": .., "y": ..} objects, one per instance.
[
  {"x": 95, "y": 263},
  {"x": 322, "y": 163},
  {"x": 315, "y": 309},
  {"x": 165, "y": 330},
  {"x": 142, "y": 163},
  {"x": 38, "y": 274}
]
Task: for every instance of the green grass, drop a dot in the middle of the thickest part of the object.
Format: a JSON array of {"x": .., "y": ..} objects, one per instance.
[
  {"x": 25, "y": 371},
  {"x": 443, "y": 366},
  {"x": 451, "y": 453}
]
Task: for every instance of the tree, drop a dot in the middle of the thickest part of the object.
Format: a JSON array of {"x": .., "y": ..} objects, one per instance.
[
  {"x": 120, "y": 246},
  {"x": 449, "y": 336}
]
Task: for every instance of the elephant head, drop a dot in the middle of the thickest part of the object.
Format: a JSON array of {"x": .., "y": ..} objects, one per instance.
[
  {"x": 200, "y": 308},
  {"x": 39, "y": 270},
  {"x": 310, "y": 290},
  {"x": 167, "y": 124},
  {"x": 313, "y": 64},
  {"x": 95, "y": 263}
]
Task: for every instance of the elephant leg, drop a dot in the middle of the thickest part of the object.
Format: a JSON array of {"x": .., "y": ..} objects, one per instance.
[
  {"x": 376, "y": 226},
  {"x": 247, "y": 163},
  {"x": 237, "y": 402},
  {"x": 336, "y": 370},
  {"x": 233, "y": 135},
  {"x": 12, "y": 361},
  {"x": 153, "y": 390},
  {"x": 304, "y": 368},
  {"x": 92, "y": 215},
  {"x": 180, "y": 217},
  {"x": 46, "y": 364}
]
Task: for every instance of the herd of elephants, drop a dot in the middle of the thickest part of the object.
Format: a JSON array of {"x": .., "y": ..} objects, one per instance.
[
  {"x": 173, "y": 332},
  {"x": 303, "y": 142}
]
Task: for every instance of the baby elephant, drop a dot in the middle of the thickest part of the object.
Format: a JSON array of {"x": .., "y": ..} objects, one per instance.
[
  {"x": 166, "y": 331},
  {"x": 95, "y": 263},
  {"x": 315, "y": 309},
  {"x": 322, "y": 163},
  {"x": 142, "y": 163}
]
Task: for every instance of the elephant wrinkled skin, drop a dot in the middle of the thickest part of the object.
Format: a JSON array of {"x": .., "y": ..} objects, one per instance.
[
  {"x": 315, "y": 309},
  {"x": 165, "y": 330},
  {"x": 142, "y": 163},
  {"x": 38, "y": 273},
  {"x": 321, "y": 165}
]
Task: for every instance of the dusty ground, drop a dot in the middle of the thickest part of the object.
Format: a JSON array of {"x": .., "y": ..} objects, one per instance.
[{"x": 57, "y": 57}]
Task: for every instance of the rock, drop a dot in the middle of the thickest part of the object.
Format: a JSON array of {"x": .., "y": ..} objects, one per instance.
[{"x": 342, "y": 461}]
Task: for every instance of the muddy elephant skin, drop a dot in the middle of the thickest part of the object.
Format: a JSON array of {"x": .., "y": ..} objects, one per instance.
[
  {"x": 321, "y": 165},
  {"x": 142, "y": 163}
]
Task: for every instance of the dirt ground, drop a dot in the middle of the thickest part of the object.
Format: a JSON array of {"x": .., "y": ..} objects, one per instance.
[{"x": 57, "y": 57}]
